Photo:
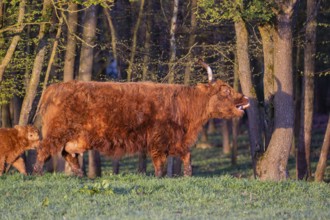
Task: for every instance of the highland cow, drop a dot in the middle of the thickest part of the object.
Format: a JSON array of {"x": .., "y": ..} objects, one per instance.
[
  {"x": 126, "y": 118},
  {"x": 13, "y": 142}
]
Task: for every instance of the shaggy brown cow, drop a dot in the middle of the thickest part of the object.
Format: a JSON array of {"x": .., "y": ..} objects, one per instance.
[
  {"x": 120, "y": 118},
  {"x": 13, "y": 142}
]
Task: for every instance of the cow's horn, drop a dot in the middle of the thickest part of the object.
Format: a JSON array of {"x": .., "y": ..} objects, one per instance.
[{"x": 208, "y": 69}]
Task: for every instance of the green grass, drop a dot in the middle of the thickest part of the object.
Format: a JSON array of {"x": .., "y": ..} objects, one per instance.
[
  {"x": 132, "y": 196},
  {"x": 217, "y": 190}
]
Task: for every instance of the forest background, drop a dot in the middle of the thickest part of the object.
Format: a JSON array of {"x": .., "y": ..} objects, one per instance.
[{"x": 275, "y": 52}]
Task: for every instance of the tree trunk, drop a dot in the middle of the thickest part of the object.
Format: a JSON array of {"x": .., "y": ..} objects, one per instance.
[
  {"x": 191, "y": 41},
  {"x": 133, "y": 50},
  {"x": 147, "y": 43},
  {"x": 322, "y": 164},
  {"x": 225, "y": 137},
  {"x": 235, "y": 121},
  {"x": 113, "y": 40},
  {"x": 172, "y": 41},
  {"x": 15, "y": 39},
  {"x": 303, "y": 162},
  {"x": 85, "y": 74},
  {"x": 267, "y": 33},
  {"x": 245, "y": 77},
  {"x": 71, "y": 44},
  {"x": 174, "y": 163},
  {"x": 5, "y": 116},
  {"x": 273, "y": 164},
  {"x": 15, "y": 106},
  {"x": 37, "y": 67}
]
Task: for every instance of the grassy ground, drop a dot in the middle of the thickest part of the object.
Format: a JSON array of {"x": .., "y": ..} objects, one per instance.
[
  {"x": 213, "y": 193},
  {"x": 217, "y": 190}
]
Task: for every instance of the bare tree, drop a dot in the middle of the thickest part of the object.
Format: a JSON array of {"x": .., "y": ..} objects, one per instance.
[{"x": 303, "y": 162}]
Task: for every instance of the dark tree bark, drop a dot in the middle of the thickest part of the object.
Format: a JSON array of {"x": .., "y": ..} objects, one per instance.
[
  {"x": 305, "y": 134},
  {"x": 5, "y": 116},
  {"x": 273, "y": 164}
]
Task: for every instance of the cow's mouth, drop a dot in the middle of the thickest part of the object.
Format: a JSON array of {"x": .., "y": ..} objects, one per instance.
[{"x": 244, "y": 105}]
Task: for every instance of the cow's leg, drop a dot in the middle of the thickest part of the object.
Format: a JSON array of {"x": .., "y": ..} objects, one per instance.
[
  {"x": 42, "y": 156},
  {"x": 142, "y": 162},
  {"x": 20, "y": 165},
  {"x": 2, "y": 164},
  {"x": 115, "y": 165},
  {"x": 186, "y": 159},
  {"x": 73, "y": 163},
  {"x": 158, "y": 162}
]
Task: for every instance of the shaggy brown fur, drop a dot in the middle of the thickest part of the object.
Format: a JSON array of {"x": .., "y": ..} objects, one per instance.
[
  {"x": 121, "y": 118},
  {"x": 13, "y": 142}
]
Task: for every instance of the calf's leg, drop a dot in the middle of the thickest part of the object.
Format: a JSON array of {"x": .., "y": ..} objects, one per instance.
[
  {"x": 20, "y": 165},
  {"x": 2, "y": 164}
]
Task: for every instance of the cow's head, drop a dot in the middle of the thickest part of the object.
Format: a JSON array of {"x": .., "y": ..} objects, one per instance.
[
  {"x": 224, "y": 101},
  {"x": 30, "y": 134}
]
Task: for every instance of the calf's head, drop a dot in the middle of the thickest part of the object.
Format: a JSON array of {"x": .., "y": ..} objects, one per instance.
[
  {"x": 30, "y": 135},
  {"x": 224, "y": 101}
]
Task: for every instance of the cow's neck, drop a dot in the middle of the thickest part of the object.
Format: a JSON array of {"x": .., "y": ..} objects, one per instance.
[{"x": 194, "y": 108}]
